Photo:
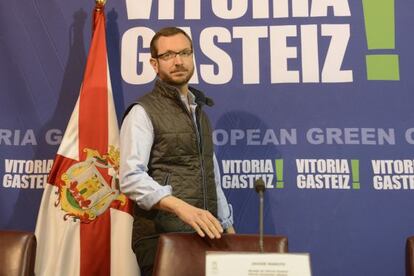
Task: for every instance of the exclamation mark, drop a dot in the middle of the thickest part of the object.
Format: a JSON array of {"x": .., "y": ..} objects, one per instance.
[
  {"x": 355, "y": 174},
  {"x": 380, "y": 32},
  {"x": 279, "y": 173}
]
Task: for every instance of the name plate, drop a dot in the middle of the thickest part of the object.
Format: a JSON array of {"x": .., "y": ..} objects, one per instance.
[{"x": 257, "y": 264}]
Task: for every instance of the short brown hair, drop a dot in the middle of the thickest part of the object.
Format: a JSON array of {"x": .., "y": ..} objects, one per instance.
[{"x": 167, "y": 31}]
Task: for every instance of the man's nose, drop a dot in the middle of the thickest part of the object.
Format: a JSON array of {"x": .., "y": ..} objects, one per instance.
[{"x": 178, "y": 59}]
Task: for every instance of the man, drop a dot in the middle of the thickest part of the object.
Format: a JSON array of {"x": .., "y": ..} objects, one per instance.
[{"x": 167, "y": 162}]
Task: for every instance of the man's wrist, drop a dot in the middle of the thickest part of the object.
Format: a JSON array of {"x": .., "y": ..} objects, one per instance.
[{"x": 170, "y": 204}]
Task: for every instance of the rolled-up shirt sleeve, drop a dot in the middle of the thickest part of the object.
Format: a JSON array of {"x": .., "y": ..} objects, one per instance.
[
  {"x": 224, "y": 209},
  {"x": 136, "y": 139}
]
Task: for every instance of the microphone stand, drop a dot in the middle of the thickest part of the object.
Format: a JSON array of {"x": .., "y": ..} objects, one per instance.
[{"x": 259, "y": 186}]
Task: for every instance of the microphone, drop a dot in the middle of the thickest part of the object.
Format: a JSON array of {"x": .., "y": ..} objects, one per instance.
[{"x": 259, "y": 186}]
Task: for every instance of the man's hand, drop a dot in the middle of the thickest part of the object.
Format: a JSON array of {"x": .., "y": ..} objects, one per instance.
[{"x": 202, "y": 221}]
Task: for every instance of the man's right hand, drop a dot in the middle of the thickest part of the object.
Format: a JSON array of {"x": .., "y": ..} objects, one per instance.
[{"x": 202, "y": 221}]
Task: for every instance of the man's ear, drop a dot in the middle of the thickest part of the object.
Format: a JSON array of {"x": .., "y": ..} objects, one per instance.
[{"x": 154, "y": 64}]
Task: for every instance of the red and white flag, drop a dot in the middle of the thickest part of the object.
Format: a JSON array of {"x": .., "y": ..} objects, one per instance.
[{"x": 84, "y": 223}]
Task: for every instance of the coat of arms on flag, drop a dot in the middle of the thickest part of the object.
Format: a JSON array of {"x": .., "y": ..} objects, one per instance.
[
  {"x": 85, "y": 193},
  {"x": 84, "y": 223}
]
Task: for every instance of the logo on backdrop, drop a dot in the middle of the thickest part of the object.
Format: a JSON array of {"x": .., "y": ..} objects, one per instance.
[
  {"x": 26, "y": 174},
  {"x": 393, "y": 174},
  {"x": 327, "y": 174},
  {"x": 241, "y": 174}
]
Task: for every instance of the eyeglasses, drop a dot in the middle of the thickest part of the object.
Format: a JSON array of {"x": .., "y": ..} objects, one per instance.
[{"x": 169, "y": 55}]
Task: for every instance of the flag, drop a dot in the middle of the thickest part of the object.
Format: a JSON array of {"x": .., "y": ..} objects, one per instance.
[{"x": 84, "y": 223}]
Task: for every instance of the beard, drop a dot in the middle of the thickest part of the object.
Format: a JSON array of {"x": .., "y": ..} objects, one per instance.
[{"x": 177, "y": 77}]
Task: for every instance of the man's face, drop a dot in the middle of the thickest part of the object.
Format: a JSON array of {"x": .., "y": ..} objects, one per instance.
[{"x": 178, "y": 69}]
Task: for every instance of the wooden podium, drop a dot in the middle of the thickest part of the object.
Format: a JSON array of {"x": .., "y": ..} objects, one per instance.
[{"x": 184, "y": 254}]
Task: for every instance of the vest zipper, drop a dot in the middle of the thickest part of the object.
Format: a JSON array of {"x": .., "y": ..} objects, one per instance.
[
  {"x": 199, "y": 146},
  {"x": 200, "y": 139}
]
